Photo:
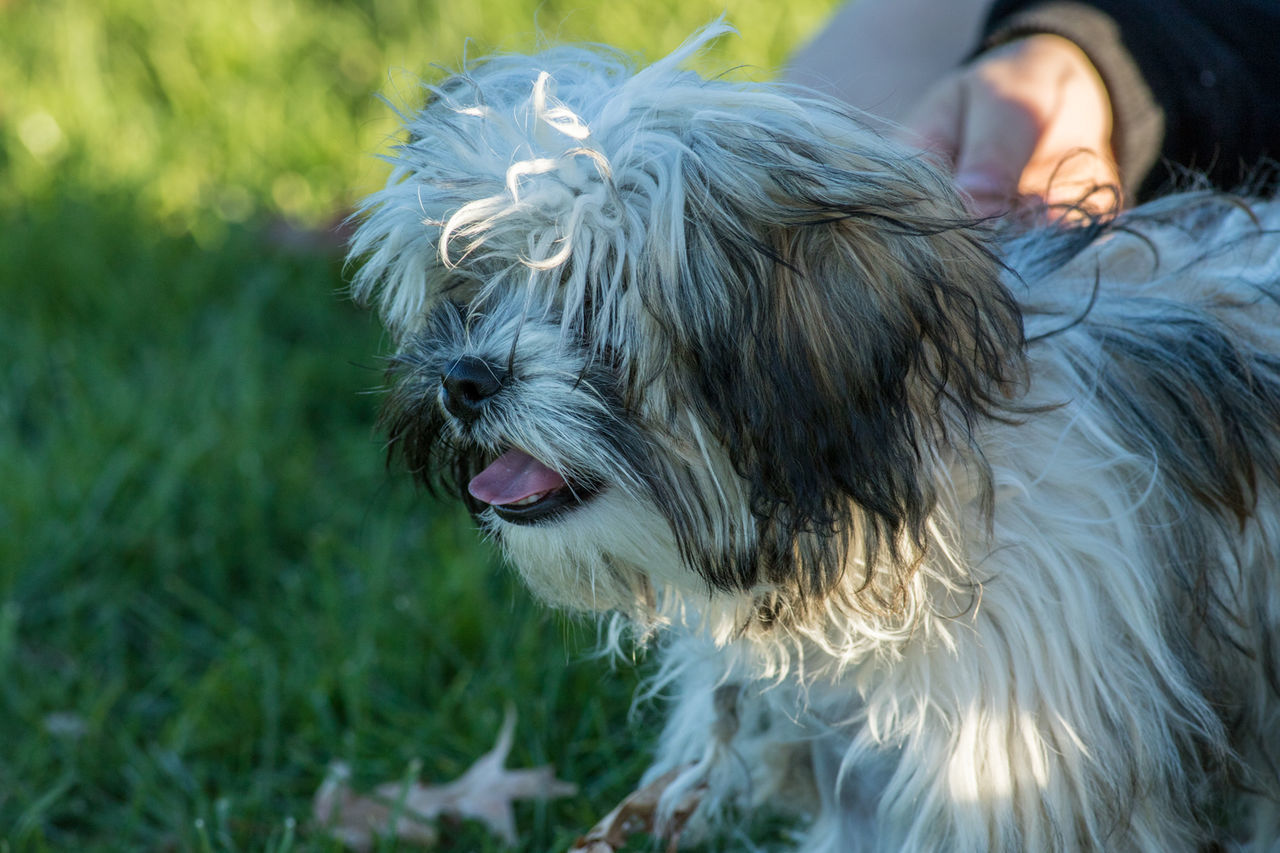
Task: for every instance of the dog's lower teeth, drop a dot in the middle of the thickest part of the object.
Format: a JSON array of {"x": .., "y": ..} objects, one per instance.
[{"x": 532, "y": 499}]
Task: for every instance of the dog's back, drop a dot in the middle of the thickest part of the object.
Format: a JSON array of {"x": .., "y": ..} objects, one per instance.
[{"x": 1161, "y": 332}]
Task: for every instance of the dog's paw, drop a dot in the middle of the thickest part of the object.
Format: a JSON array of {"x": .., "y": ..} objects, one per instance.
[{"x": 638, "y": 812}]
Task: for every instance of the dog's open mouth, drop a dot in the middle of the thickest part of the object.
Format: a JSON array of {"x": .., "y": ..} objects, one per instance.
[{"x": 522, "y": 490}]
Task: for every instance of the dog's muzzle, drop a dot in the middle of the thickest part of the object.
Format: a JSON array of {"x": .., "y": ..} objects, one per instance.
[{"x": 519, "y": 488}]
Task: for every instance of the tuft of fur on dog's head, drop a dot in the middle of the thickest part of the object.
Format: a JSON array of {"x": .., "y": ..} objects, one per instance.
[{"x": 727, "y": 324}]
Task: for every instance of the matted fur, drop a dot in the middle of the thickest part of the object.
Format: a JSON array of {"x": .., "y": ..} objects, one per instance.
[{"x": 954, "y": 544}]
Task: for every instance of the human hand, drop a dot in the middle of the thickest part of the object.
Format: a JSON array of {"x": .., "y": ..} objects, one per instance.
[{"x": 1028, "y": 123}]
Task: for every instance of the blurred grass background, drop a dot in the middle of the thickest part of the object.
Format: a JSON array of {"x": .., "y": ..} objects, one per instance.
[{"x": 210, "y": 587}]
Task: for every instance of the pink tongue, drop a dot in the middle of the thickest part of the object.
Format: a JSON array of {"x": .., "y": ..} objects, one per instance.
[{"x": 513, "y": 476}]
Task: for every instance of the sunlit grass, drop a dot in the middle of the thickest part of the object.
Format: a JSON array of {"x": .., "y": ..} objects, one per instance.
[
  {"x": 214, "y": 112},
  {"x": 209, "y": 586}
]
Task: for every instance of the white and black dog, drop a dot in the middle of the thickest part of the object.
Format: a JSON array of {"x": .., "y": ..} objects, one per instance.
[{"x": 955, "y": 543}]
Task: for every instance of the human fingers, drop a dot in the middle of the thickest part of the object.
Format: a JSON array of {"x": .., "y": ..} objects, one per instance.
[
  {"x": 934, "y": 124},
  {"x": 1071, "y": 167},
  {"x": 1026, "y": 124},
  {"x": 985, "y": 138},
  {"x": 999, "y": 135},
  {"x": 1081, "y": 184}
]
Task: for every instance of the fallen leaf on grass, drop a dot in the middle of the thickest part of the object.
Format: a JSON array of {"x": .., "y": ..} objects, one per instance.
[
  {"x": 404, "y": 810},
  {"x": 636, "y": 813}
]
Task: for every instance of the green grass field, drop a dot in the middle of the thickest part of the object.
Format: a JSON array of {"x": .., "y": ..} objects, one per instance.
[{"x": 210, "y": 586}]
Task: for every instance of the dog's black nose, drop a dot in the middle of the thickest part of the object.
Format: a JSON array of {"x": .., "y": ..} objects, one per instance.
[{"x": 468, "y": 384}]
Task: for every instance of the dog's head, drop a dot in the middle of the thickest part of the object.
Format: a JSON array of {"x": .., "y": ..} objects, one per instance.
[{"x": 668, "y": 333}]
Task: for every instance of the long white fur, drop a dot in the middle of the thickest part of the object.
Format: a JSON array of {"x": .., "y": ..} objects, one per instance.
[{"x": 1028, "y": 693}]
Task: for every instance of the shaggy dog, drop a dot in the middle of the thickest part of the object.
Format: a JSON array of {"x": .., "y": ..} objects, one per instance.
[{"x": 954, "y": 543}]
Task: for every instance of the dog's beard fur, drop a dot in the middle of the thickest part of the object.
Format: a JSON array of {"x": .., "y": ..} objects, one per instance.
[{"x": 1006, "y": 593}]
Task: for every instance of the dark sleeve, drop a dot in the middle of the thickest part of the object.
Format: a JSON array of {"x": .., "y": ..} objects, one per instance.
[{"x": 1194, "y": 84}]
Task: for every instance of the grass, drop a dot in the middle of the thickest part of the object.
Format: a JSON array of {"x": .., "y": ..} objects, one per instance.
[{"x": 210, "y": 587}]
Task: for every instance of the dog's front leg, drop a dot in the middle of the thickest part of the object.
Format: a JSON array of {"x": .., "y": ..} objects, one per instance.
[
  {"x": 742, "y": 746},
  {"x": 669, "y": 795}
]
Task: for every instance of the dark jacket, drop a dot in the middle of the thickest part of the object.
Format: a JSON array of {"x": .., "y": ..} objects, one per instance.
[{"x": 1194, "y": 84}]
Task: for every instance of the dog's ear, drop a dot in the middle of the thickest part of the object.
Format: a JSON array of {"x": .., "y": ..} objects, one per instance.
[{"x": 834, "y": 316}]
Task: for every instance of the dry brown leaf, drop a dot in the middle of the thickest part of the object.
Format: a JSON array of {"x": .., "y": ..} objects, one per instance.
[
  {"x": 636, "y": 813},
  {"x": 357, "y": 822},
  {"x": 404, "y": 810}
]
